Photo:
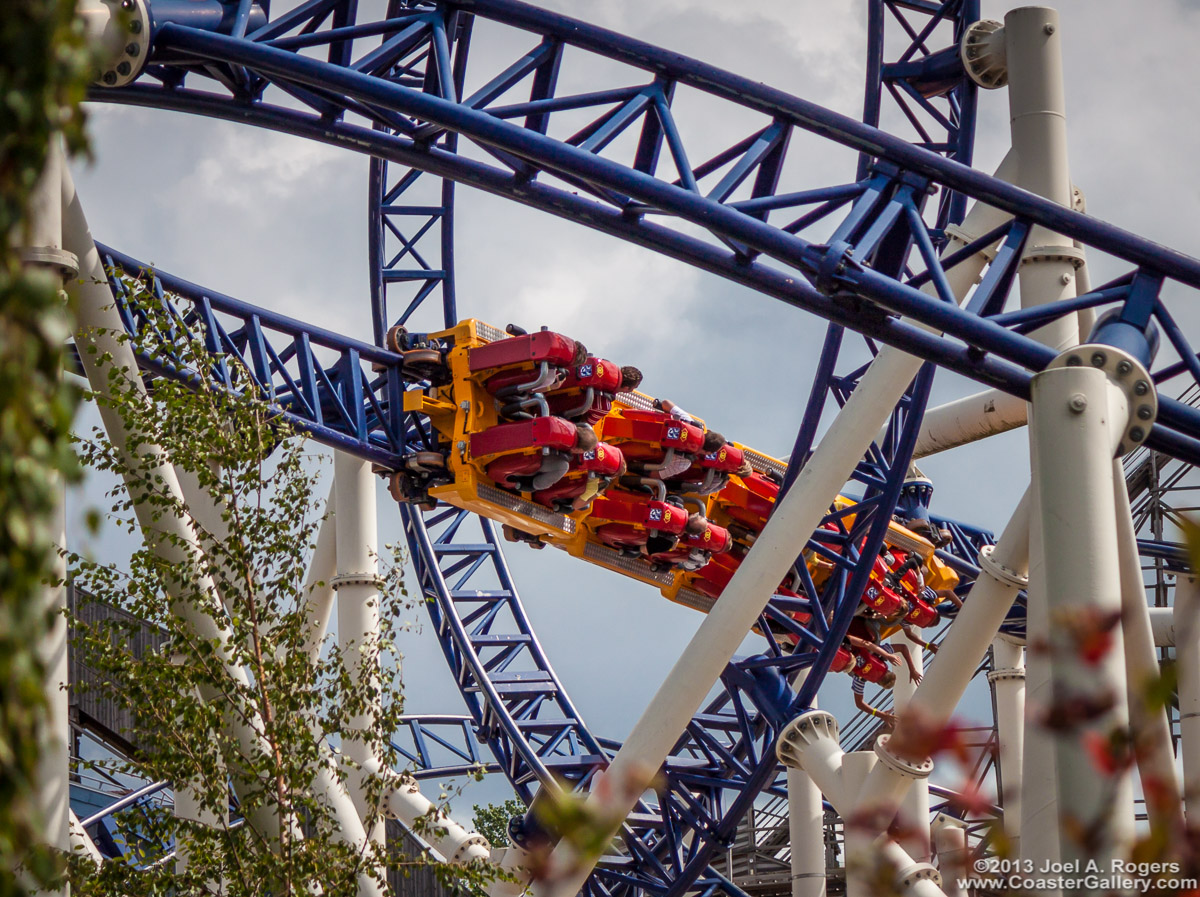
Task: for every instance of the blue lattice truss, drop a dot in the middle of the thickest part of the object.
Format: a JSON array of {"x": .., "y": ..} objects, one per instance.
[{"x": 618, "y": 158}]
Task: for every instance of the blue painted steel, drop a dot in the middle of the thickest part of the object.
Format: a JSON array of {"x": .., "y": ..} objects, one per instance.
[
  {"x": 346, "y": 404},
  {"x": 973, "y": 345},
  {"x": 928, "y": 86}
]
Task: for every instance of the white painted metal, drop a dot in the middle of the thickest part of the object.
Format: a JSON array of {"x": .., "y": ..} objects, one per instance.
[
  {"x": 1039, "y": 790},
  {"x": 950, "y": 842},
  {"x": 1007, "y": 679},
  {"x": 100, "y": 325},
  {"x": 1037, "y": 110},
  {"x": 1187, "y": 669},
  {"x": 1074, "y": 431},
  {"x": 357, "y": 586},
  {"x": 455, "y": 843},
  {"x": 318, "y": 585},
  {"x": 861, "y": 856},
  {"x": 967, "y": 420},
  {"x": 43, "y": 255},
  {"x": 1037, "y": 107},
  {"x": 914, "y": 806},
  {"x": 806, "y": 831},
  {"x": 1152, "y": 729},
  {"x": 1162, "y": 626},
  {"x": 121, "y": 48},
  {"x": 806, "y": 828},
  {"x": 810, "y": 742},
  {"x": 189, "y": 807},
  {"x": 81, "y": 842}
]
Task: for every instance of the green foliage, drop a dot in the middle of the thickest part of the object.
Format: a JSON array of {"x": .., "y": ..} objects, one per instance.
[
  {"x": 43, "y": 74},
  {"x": 228, "y": 593},
  {"x": 491, "y": 820}
]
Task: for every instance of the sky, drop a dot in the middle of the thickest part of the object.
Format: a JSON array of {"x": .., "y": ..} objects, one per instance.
[{"x": 280, "y": 222}]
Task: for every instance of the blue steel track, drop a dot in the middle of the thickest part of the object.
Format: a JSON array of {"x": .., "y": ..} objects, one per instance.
[{"x": 855, "y": 253}]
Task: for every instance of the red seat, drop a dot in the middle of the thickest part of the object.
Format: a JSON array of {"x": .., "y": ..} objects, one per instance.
[
  {"x": 508, "y": 469},
  {"x": 877, "y": 595},
  {"x": 921, "y": 614},
  {"x": 532, "y": 348},
  {"x": 711, "y": 470},
  {"x": 603, "y": 461},
  {"x": 524, "y": 436},
  {"x": 869, "y": 666},
  {"x": 910, "y": 582},
  {"x": 628, "y": 521},
  {"x": 587, "y": 391},
  {"x": 650, "y": 433},
  {"x": 714, "y": 540},
  {"x": 842, "y": 661}
]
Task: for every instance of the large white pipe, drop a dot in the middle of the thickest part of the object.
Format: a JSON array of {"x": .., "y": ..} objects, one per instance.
[
  {"x": 806, "y": 831},
  {"x": 806, "y": 827},
  {"x": 1078, "y": 419},
  {"x": 810, "y": 742},
  {"x": 1037, "y": 111},
  {"x": 318, "y": 585},
  {"x": 43, "y": 256},
  {"x": 1007, "y": 679},
  {"x": 80, "y": 842},
  {"x": 455, "y": 843},
  {"x": 914, "y": 806},
  {"x": 357, "y": 585},
  {"x": 950, "y": 842},
  {"x": 1037, "y": 108},
  {"x": 861, "y": 856},
  {"x": 967, "y": 420},
  {"x": 1151, "y": 727},
  {"x": 1162, "y": 626},
  {"x": 1187, "y": 669},
  {"x": 168, "y": 535},
  {"x": 1039, "y": 791}
]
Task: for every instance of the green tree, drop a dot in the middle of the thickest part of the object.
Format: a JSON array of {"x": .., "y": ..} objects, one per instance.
[
  {"x": 491, "y": 820},
  {"x": 43, "y": 74},
  {"x": 228, "y": 594}
]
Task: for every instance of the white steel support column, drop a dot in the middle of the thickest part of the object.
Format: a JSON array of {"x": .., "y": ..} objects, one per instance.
[
  {"x": 806, "y": 827},
  {"x": 81, "y": 842},
  {"x": 1007, "y": 680},
  {"x": 99, "y": 325},
  {"x": 405, "y": 802},
  {"x": 1187, "y": 669},
  {"x": 861, "y": 857},
  {"x": 357, "y": 585},
  {"x": 950, "y": 842},
  {"x": 1079, "y": 418},
  {"x": 968, "y": 420},
  {"x": 914, "y": 807},
  {"x": 1037, "y": 108},
  {"x": 41, "y": 250},
  {"x": 795, "y": 517},
  {"x": 1151, "y": 728},
  {"x": 810, "y": 742},
  {"x": 318, "y": 585}
]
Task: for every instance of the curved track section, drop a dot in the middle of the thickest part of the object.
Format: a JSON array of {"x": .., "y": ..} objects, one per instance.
[{"x": 617, "y": 159}]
